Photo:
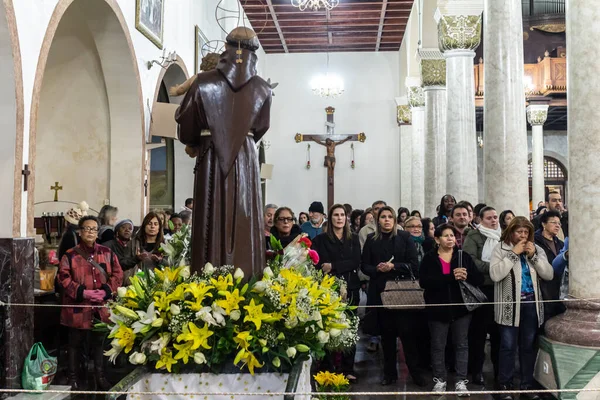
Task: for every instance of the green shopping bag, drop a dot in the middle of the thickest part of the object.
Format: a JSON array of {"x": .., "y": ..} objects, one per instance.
[{"x": 39, "y": 369}]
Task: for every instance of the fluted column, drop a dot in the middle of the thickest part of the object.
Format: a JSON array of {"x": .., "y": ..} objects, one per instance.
[
  {"x": 536, "y": 116},
  {"x": 404, "y": 118},
  {"x": 505, "y": 129},
  {"x": 579, "y": 324},
  {"x": 417, "y": 105},
  {"x": 433, "y": 78},
  {"x": 459, "y": 34}
]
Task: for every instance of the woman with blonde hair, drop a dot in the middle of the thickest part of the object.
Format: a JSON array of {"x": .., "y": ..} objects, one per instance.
[{"x": 516, "y": 267}]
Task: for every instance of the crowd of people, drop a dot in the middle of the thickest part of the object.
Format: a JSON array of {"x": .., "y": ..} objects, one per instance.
[
  {"x": 519, "y": 264},
  {"x": 98, "y": 255}
]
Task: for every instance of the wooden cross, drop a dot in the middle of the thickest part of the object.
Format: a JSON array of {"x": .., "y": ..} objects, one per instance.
[
  {"x": 25, "y": 172},
  {"x": 330, "y": 140},
  {"x": 56, "y": 188}
]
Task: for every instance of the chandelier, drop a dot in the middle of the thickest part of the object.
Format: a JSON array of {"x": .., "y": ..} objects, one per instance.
[
  {"x": 328, "y": 86},
  {"x": 315, "y": 5}
]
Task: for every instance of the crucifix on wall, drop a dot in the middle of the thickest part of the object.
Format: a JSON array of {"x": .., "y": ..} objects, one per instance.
[{"x": 330, "y": 140}]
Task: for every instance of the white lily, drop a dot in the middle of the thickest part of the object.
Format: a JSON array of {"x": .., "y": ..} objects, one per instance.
[
  {"x": 205, "y": 315},
  {"x": 260, "y": 287},
  {"x": 146, "y": 320},
  {"x": 115, "y": 350},
  {"x": 333, "y": 332},
  {"x": 238, "y": 274},
  {"x": 117, "y": 320},
  {"x": 159, "y": 344}
]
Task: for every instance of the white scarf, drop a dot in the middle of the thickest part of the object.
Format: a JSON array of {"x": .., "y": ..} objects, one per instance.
[{"x": 493, "y": 237}]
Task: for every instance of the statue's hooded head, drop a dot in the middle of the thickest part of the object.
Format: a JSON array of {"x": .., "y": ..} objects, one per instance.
[{"x": 238, "y": 61}]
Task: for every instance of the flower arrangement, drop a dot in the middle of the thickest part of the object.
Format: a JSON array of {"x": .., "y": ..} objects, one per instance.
[
  {"x": 178, "y": 247},
  {"x": 173, "y": 320},
  {"x": 331, "y": 382}
]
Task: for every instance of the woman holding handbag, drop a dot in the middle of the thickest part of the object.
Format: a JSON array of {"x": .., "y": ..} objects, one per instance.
[
  {"x": 390, "y": 254},
  {"x": 441, "y": 272},
  {"x": 339, "y": 255}
]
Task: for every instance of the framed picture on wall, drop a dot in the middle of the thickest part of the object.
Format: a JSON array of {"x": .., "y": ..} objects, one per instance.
[
  {"x": 200, "y": 41},
  {"x": 149, "y": 20}
]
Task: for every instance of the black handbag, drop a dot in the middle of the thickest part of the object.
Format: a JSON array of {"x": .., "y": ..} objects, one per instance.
[{"x": 472, "y": 296}]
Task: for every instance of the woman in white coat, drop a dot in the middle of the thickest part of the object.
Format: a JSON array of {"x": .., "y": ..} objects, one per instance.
[{"x": 516, "y": 267}]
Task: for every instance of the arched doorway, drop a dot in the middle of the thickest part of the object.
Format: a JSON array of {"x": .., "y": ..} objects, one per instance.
[
  {"x": 170, "y": 167},
  {"x": 87, "y": 126},
  {"x": 555, "y": 177},
  {"x": 11, "y": 123}
]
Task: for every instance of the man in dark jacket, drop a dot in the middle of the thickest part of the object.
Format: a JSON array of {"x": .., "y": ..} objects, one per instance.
[{"x": 554, "y": 203}]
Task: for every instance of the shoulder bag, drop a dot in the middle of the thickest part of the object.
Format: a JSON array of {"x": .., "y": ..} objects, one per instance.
[
  {"x": 403, "y": 294},
  {"x": 472, "y": 296}
]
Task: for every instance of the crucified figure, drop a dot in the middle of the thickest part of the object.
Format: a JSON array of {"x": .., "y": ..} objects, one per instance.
[{"x": 329, "y": 161}]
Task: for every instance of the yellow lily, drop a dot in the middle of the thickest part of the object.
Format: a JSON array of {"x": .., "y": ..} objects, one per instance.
[
  {"x": 231, "y": 301},
  {"x": 166, "y": 360},
  {"x": 198, "y": 336},
  {"x": 222, "y": 282},
  {"x": 255, "y": 314},
  {"x": 167, "y": 274},
  {"x": 243, "y": 339},
  {"x": 185, "y": 352},
  {"x": 200, "y": 291},
  {"x": 126, "y": 338}
]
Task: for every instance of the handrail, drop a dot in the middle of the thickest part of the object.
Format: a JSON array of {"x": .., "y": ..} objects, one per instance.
[{"x": 543, "y": 7}]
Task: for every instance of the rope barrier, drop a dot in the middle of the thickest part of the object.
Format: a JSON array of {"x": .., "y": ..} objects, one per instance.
[
  {"x": 472, "y": 392},
  {"x": 592, "y": 299}
]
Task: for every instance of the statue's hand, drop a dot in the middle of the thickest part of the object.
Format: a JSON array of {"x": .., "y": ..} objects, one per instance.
[{"x": 191, "y": 151}]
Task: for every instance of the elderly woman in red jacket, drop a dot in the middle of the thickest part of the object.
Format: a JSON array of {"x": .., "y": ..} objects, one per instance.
[{"x": 89, "y": 275}]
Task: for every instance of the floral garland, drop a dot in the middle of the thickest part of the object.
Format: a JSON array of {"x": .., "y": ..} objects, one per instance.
[{"x": 172, "y": 320}]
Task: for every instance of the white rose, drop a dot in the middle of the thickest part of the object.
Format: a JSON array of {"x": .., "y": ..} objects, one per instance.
[
  {"x": 323, "y": 337},
  {"x": 238, "y": 274},
  {"x": 260, "y": 286},
  {"x": 268, "y": 272},
  {"x": 335, "y": 332},
  {"x": 199, "y": 358},
  {"x": 208, "y": 269},
  {"x": 175, "y": 310},
  {"x": 184, "y": 272},
  {"x": 137, "y": 358},
  {"x": 235, "y": 315},
  {"x": 122, "y": 291},
  {"x": 291, "y": 352}
]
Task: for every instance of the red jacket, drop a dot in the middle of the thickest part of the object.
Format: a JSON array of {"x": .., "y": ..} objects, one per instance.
[{"x": 76, "y": 274}]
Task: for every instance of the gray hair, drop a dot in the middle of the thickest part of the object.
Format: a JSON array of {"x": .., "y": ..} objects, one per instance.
[
  {"x": 186, "y": 216},
  {"x": 270, "y": 206}
]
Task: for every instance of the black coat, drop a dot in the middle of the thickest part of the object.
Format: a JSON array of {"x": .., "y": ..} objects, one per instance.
[
  {"x": 550, "y": 289},
  {"x": 564, "y": 222},
  {"x": 125, "y": 254},
  {"x": 70, "y": 239},
  {"x": 405, "y": 261},
  {"x": 444, "y": 289},
  {"x": 344, "y": 256}
]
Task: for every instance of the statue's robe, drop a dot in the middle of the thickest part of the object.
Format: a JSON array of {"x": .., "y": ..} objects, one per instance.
[{"x": 227, "y": 221}]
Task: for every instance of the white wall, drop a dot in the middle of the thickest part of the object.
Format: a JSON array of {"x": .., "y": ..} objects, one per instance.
[
  {"x": 73, "y": 121},
  {"x": 367, "y": 105}
]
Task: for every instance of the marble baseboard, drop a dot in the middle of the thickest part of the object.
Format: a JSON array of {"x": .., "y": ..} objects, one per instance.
[
  {"x": 16, "y": 328},
  {"x": 579, "y": 325}
]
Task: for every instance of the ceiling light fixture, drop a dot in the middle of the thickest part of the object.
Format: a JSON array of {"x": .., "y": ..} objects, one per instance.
[
  {"x": 328, "y": 85},
  {"x": 315, "y": 5}
]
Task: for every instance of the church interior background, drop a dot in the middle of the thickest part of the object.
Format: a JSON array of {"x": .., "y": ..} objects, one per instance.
[{"x": 87, "y": 115}]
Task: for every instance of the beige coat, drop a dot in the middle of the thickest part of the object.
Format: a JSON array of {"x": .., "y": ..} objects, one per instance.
[{"x": 505, "y": 271}]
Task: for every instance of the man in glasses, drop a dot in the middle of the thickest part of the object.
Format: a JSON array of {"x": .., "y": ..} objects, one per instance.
[{"x": 89, "y": 274}]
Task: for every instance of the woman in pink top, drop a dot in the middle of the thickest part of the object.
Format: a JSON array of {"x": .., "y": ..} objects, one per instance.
[{"x": 440, "y": 274}]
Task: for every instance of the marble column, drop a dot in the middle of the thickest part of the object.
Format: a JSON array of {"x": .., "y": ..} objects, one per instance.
[
  {"x": 458, "y": 36},
  {"x": 506, "y": 184},
  {"x": 405, "y": 129},
  {"x": 580, "y": 325},
  {"x": 16, "y": 328},
  {"x": 433, "y": 77},
  {"x": 536, "y": 116},
  {"x": 417, "y": 103}
]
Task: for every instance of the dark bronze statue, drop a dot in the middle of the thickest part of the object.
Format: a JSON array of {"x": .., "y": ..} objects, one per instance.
[{"x": 225, "y": 111}]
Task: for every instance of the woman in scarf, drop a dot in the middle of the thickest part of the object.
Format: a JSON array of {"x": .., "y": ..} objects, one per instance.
[{"x": 479, "y": 244}]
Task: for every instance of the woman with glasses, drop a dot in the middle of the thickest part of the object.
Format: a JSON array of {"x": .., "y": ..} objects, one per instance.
[
  {"x": 414, "y": 226},
  {"x": 547, "y": 238},
  {"x": 284, "y": 228},
  {"x": 339, "y": 255},
  {"x": 517, "y": 266},
  {"x": 390, "y": 254}
]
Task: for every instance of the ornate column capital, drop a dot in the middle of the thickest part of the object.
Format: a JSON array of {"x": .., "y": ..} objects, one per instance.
[
  {"x": 416, "y": 96},
  {"x": 403, "y": 112},
  {"x": 537, "y": 114},
  {"x": 433, "y": 71},
  {"x": 459, "y": 32}
]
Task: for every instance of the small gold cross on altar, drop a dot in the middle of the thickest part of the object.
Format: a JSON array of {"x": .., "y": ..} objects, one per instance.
[{"x": 56, "y": 188}]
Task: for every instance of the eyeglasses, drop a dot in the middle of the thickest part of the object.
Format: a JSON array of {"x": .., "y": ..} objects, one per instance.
[
  {"x": 415, "y": 227},
  {"x": 284, "y": 219},
  {"x": 555, "y": 223},
  {"x": 88, "y": 229}
]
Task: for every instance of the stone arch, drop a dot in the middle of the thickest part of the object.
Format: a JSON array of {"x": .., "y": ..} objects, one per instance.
[
  {"x": 105, "y": 25},
  {"x": 11, "y": 122},
  {"x": 561, "y": 163}
]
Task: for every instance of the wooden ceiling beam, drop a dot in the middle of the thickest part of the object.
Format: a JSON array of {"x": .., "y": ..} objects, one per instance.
[
  {"x": 381, "y": 22},
  {"x": 274, "y": 18}
]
